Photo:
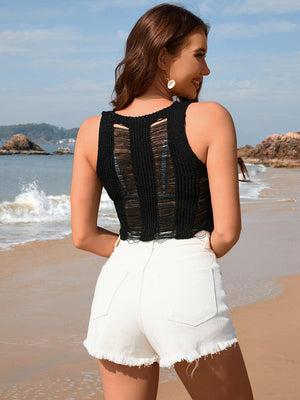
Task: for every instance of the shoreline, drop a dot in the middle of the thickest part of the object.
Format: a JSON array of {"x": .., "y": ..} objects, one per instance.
[
  {"x": 12, "y": 236},
  {"x": 273, "y": 162},
  {"x": 244, "y": 208},
  {"x": 247, "y": 280}
]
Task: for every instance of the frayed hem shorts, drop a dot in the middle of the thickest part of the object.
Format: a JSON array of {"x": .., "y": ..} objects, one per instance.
[{"x": 159, "y": 302}]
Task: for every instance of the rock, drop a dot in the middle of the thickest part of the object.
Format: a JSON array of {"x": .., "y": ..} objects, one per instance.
[
  {"x": 276, "y": 151},
  {"x": 63, "y": 151},
  {"x": 243, "y": 151},
  {"x": 20, "y": 144}
]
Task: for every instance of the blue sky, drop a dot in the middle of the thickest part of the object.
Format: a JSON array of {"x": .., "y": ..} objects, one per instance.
[{"x": 57, "y": 60}]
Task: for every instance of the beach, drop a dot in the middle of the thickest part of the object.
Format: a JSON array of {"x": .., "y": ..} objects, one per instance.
[{"x": 46, "y": 289}]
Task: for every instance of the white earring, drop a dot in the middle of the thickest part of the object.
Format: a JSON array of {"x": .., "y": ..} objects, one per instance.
[{"x": 171, "y": 84}]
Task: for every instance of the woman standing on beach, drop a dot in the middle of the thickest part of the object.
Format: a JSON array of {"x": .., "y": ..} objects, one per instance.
[{"x": 171, "y": 169}]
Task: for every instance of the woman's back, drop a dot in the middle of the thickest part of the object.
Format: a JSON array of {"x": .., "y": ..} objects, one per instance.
[
  {"x": 159, "y": 186},
  {"x": 210, "y": 135}
]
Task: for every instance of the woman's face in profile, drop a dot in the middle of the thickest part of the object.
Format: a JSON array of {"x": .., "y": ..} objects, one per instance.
[{"x": 189, "y": 67}]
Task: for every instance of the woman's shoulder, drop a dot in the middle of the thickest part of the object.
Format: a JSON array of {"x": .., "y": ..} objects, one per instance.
[
  {"x": 211, "y": 117},
  {"x": 88, "y": 128},
  {"x": 90, "y": 122},
  {"x": 87, "y": 139},
  {"x": 87, "y": 135},
  {"x": 208, "y": 109}
]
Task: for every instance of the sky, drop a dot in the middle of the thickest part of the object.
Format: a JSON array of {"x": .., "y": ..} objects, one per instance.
[{"x": 58, "y": 59}]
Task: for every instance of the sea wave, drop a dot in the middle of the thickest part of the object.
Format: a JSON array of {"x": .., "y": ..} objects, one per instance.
[
  {"x": 250, "y": 191},
  {"x": 32, "y": 205},
  {"x": 35, "y": 215}
]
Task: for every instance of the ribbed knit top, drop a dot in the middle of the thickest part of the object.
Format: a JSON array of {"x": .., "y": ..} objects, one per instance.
[{"x": 159, "y": 186}]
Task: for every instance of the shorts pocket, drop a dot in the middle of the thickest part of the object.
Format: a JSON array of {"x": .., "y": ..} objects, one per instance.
[
  {"x": 109, "y": 282},
  {"x": 192, "y": 297}
]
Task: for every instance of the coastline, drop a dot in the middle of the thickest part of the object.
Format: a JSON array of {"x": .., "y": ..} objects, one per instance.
[
  {"x": 273, "y": 162},
  {"x": 46, "y": 289}
]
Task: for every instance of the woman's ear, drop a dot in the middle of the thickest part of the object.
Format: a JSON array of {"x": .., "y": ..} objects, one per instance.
[{"x": 163, "y": 59}]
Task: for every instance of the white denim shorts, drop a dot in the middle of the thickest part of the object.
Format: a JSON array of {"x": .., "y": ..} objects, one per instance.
[{"x": 160, "y": 302}]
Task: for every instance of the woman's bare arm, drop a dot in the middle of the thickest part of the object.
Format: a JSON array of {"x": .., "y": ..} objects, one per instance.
[
  {"x": 223, "y": 178},
  {"x": 86, "y": 192}
]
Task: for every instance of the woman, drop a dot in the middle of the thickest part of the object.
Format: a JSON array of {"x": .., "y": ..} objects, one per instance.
[
  {"x": 171, "y": 169},
  {"x": 244, "y": 171}
]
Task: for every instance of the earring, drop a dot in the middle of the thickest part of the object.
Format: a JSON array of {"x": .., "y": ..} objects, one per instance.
[{"x": 171, "y": 84}]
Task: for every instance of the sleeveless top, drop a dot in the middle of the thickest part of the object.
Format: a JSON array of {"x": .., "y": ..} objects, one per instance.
[{"x": 159, "y": 186}]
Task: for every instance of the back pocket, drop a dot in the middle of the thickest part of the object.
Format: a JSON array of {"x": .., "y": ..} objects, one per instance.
[
  {"x": 192, "y": 297},
  {"x": 109, "y": 282}
]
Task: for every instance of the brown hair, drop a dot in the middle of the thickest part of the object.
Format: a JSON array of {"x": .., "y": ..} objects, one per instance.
[{"x": 164, "y": 25}]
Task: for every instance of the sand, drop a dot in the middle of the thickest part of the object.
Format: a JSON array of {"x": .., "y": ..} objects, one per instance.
[
  {"x": 268, "y": 334},
  {"x": 46, "y": 290}
]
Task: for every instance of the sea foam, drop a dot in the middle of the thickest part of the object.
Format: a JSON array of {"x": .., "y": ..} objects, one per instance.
[
  {"x": 32, "y": 205},
  {"x": 35, "y": 215}
]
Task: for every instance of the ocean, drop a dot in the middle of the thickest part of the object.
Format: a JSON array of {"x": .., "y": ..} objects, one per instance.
[{"x": 35, "y": 197}]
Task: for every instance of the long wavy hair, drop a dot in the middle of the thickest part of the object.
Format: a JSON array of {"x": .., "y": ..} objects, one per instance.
[{"x": 164, "y": 25}]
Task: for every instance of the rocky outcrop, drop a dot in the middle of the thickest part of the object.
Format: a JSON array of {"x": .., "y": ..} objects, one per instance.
[
  {"x": 275, "y": 150},
  {"x": 20, "y": 144},
  {"x": 63, "y": 151}
]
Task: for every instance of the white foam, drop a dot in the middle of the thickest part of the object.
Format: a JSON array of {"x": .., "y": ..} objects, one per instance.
[
  {"x": 32, "y": 205},
  {"x": 34, "y": 215},
  {"x": 250, "y": 191}
]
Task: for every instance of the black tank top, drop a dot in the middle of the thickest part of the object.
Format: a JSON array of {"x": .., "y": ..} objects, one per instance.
[{"x": 159, "y": 186}]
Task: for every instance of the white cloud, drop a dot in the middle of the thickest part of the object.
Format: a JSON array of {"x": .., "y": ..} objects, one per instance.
[
  {"x": 66, "y": 105},
  {"x": 262, "y": 6},
  {"x": 29, "y": 12},
  {"x": 122, "y": 34},
  {"x": 205, "y": 6},
  {"x": 253, "y": 90},
  {"x": 50, "y": 42},
  {"x": 255, "y": 78},
  {"x": 58, "y": 65},
  {"x": 99, "y": 5},
  {"x": 247, "y": 30},
  {"x": 76, "y": 86}
]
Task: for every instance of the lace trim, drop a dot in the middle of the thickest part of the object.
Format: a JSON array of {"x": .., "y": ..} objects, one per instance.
[{"x": 163, "y": 236}]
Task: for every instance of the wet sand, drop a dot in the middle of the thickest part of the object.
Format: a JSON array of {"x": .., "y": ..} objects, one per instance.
[
  {"x": 46, "y": 290},
  {"x": 268, "y": 334}
]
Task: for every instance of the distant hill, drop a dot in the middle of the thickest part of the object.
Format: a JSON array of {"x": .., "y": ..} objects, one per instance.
[{"x": 38, "y": 133}]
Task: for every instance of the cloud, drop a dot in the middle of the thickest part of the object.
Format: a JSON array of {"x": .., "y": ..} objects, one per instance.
[
  {"x": 247, "y": 30},
  {"x": 58, "y": 65},
  {"x": 122, "y": 34},
  {"x": 205, "y": 6},
  {"x": 99, "y": 5},
  {"x": 28, "y": 12},
  {"x": 262, "y": 6},
  {"x": 52, "y": 42},
  {"x": 255, "y": 78},
  {"x": 255, "y": 90},
  {"x": 66, "y": 105}
]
